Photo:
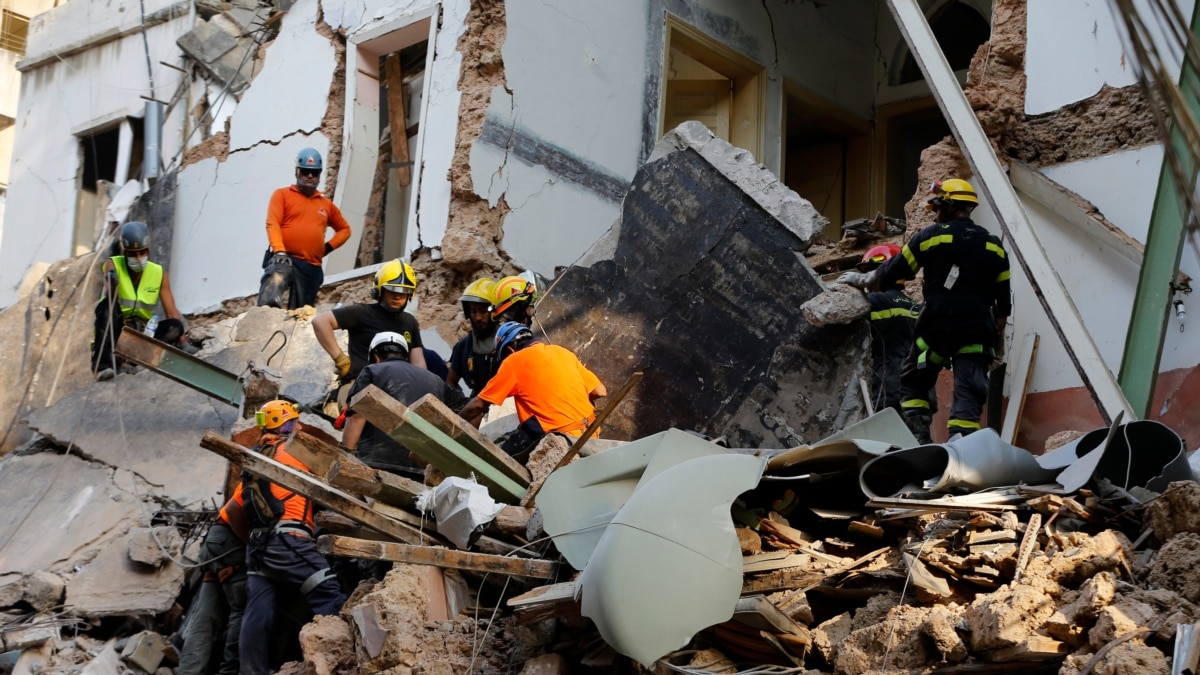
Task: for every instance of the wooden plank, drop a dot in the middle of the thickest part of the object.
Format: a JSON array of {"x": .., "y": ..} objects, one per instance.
[
  {"x": 1022, "y": 375},
  {"x": 398, "y": 490},
  {"x": 1034, "y": 648},
  {"x": 354, "y": 477},
  {"x": 308, "y": 485},
  {"x": 434, "y": 446},
  {"x": 318, "y": 455},
  {"x": 394, "y": 76},
  {"x": 332, "y": 522},
  {"x": 512, "y": 521},
  {"x": 545, "y": 602},
  {"x": 439, "y": 415},
  {"x": 438, "y": 557}
]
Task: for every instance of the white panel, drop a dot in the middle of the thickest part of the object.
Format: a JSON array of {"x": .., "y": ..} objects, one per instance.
[
  {"x": 291, "y": 92},
  {"x": 1074, "y": 47}
]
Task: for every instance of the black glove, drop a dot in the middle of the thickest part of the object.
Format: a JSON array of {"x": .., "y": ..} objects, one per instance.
[
  {"x": 281, "y": 258},
  {"x": 328, "y": 248}
]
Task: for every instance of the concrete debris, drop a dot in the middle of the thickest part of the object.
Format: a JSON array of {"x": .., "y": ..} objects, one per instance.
[
  {"x": 112, "y": 583},
  {"x": 154, "y": 546},
  {"x": 144, "y": 651},
  {"x": 702, "y": 214},
  {"x": 838, "y": 305}
]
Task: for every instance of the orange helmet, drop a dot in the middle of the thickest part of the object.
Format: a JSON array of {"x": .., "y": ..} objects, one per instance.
[
  {"x": 275, "y": 414},
  {"x": 877, "y": 255},
  {"x": 510, "y": 292}
]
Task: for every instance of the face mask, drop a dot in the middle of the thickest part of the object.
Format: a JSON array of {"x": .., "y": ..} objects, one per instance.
[{"x": 137, "y": 264}]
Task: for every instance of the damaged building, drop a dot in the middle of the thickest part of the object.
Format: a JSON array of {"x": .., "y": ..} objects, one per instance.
[{"x": 681, "y": 171}]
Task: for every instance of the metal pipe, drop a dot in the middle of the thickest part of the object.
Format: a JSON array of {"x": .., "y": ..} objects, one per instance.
[{"x": 152, "y": 132}]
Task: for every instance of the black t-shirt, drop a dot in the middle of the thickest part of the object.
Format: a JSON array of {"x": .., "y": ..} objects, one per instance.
[
  {"x": 363, "y": 321},
  {"x": 406, "y": 383},
  {"x": 475, "y": 368}
]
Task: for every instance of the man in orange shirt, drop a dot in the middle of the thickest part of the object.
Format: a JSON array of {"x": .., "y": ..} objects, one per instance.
[
  {"x": 296, "y": 221},
  {"x": 552, "y": 389},
  {"x": 282, "y": 556}
]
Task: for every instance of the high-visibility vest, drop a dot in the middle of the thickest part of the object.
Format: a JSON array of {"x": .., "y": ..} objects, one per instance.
[{"x": 137, "y": 302}]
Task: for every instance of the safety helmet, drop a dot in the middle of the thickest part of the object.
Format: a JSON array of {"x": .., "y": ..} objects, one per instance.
[
  {"x": 396, "y": 276},
  {"x": 951, "y": 190},
  {"x": 877, "y": 255},
  {"x": 480, "y": 291},
  {"x": 388, "y": 341},
  {"x": 510, "y": 291},
  {"x": 275, "y": 414},
  {"x": 308, "y": 158},
  {"x": 135, "y": 236},
  {"x": 509, "y": 333}
]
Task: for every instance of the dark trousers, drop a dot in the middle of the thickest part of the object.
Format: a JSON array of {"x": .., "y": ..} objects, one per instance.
[
  {"x": 280, "y": 565},
  {"x": 301, "y": 280},
  {"x": 917, "y": 379},
  {"x": 107, "y": 328},
  {"x": 218, "y": 606}
]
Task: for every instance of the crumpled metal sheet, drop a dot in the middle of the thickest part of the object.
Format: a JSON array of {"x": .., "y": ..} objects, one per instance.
[
  {"x": 1143, "y": 453},
  {"x": 977, "y": 461},
  {"x": 669, "y": 564},
  {"x": 579, "y": 500}
]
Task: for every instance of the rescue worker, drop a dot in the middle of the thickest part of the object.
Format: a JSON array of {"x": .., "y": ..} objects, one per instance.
[
  {"x": 391, "y": 371},
  {"x": 395, "y": 284},
  {"x": 967, "y": 304},
  {"x": 552, "y": 389},
  {"x": 473, "y": 359},
  {"x": 138, "y": 286},
  {"x": 297, "y": 218},
  {"x": 514, "y": 300},
  {"x": 893, "y": 320},
  {"x": 221, "y": 600},
  {"x": 281, "y": 554}
]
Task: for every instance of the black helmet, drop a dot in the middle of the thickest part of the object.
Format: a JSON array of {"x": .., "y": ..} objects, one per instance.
[{"x": 135, "y": 236}]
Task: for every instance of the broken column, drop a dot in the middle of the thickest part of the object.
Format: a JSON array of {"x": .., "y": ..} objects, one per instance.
[{"x": 700, "y": 284}]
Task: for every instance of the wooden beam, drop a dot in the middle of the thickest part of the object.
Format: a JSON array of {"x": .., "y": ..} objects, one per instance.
[
  {"x": 1022, "y": 375},
  {"x": 438, "y": 557},
  {"x": 434, "y": 446},
  {"x": 394, "y": 77},
  {"x": 308, "y": 485},
  {"x": 318, "y": 455},
  {"x": 439, "y": 415},
  {"x": 332, "y": 522}
]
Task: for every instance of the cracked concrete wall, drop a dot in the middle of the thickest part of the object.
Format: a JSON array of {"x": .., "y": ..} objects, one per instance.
[{"x": 76, "y": 94}]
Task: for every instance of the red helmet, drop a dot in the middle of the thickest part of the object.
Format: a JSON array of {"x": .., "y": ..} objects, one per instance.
[{"x": 877, "y": 255}]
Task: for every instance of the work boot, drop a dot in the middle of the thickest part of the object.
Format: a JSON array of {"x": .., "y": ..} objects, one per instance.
[
  {"x": 919, "y": 426},
  {"x": 105, "y": 375}
]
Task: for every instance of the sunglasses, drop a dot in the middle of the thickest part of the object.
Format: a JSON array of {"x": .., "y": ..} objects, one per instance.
[{"x": 310, "y": 172}]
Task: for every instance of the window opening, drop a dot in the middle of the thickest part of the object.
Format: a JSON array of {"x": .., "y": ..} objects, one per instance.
[
  {"x": 959, "y": 30},
  {"x": 108, "y": 157},
  {"x": 14, "y": 31}
]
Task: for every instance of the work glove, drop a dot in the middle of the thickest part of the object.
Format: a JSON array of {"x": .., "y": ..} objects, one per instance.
[
  {"x": 281, "y": 258},
  {"x": 857, "y": 279},
  {"x": 342, "y": 363}
]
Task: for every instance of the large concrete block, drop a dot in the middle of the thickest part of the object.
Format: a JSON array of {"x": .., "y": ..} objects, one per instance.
[
  {"x": 112, "y": 584},
  {"x": 700, "y": 285}
]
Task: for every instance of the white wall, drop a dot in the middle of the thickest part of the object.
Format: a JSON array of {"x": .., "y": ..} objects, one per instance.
[
  {"x": 1101, "y": 283},
  {"x": 69, "y": 96},
  {"x": 1074, "y": 48}
]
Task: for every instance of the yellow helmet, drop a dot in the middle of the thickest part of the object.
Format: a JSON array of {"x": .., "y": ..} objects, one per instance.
[
  {"x": 510, "y": 291},
  {"x": 274, "y": 414},
  {"x": 396, "y": 276},
  {"x": 482, "y": 290},
  {"x": 951, "y": 190}
]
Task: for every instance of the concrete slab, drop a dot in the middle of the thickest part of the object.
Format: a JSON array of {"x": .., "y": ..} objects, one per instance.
[
  {"x": 206, "y": 42},
  {"x": 44, "y": 344},
  {"x": 57, "y": 509},
  {"x": 700, "y": 285},
  {"x": 147, "y": 424},
  {"x": 113, "y": 584}
]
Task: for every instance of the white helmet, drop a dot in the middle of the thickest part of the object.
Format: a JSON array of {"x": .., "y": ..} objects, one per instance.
[{"x": 389, "y": 341}]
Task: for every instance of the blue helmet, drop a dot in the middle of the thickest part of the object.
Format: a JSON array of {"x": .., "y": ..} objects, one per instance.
[
  {"x": 308, "y": 158},
  {"x": 508, "y": 333}
]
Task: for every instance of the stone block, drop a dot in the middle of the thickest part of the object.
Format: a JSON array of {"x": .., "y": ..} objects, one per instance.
[
  {"x": 702, "y": 277},
  {"x": 546, "y": 664},
  {"x": 154, "y": 546},
  {"x": 206, "y": 42},
  {"x": 144, "y": 650},
  {"x": 44, "y": 590},
  {"x": 838, "y": 305},
  {"x": 328, "y": 646},
  {"x": 112, "y": 584},
  {"x": 32, "y": 636},
  {"x": 12, "y": 590},
  {"x": 830, "y": 634}
]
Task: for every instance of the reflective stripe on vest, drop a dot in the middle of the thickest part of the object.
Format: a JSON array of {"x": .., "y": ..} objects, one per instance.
[
  {"x": 904, "y": 312},
  {"x": 140, "y": 302}
]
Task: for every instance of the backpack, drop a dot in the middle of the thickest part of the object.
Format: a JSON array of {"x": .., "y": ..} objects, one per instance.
[{"x": 263, "y": 509}]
